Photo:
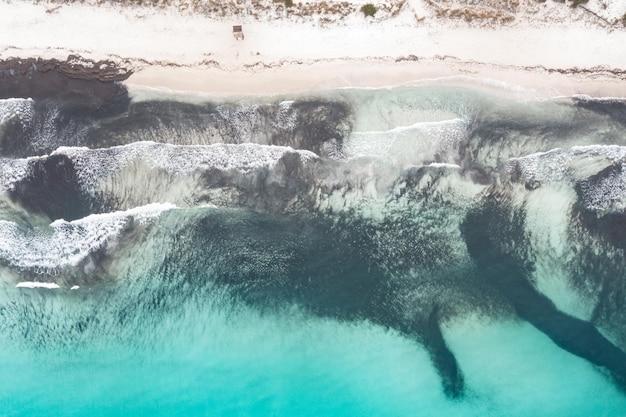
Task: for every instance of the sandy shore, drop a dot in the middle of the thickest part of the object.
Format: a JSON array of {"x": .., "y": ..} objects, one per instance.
[
  {"x": 177, "y": 50},
  {"x": 318, "y": 76}
]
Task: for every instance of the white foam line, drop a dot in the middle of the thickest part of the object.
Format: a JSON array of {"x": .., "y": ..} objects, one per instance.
[
  {"x": 64, "y": 149},
  {"x": 585, "y": 97},
  {"x": 141, "y": 214},
  {"x": 443, "y": 165},
  {"x": 503, "y": 85},
  {"x": 418, "y": 125},
  {"x": 615, "y": 151},
  {"x": 466, "y": 79},
  {"x": 536, "y": 154},
  {"x": 28, "y": 284}
]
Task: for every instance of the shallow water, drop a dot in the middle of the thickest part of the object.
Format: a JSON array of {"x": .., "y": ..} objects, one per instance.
[{"x": 411, "y": 252}]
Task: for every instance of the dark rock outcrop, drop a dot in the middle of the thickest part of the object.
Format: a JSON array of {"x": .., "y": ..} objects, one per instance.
[{"x": 76, "y": 77}]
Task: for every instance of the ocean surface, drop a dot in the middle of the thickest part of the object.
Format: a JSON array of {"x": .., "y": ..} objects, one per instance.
[{"x": 418, "y": 251}]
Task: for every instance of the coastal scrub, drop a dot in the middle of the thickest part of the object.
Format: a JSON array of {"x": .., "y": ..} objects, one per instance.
[{"x": 369, "y": 9}]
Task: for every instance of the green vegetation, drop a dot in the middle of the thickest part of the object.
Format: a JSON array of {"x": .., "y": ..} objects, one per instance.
[
  {"x": 289, "y": 3},
  {"x": 369, "y": 9},
  {"x": 470, "y": 15}
]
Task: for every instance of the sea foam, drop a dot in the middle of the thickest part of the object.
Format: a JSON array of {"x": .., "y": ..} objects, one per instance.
[
  {"x": 92, "y": 165},
  {"x": 63, "y": 244},
  {"x": 417, "y": 143},
  {"x": 572, "y": 164},
  {"x": 16, "y": 108}
]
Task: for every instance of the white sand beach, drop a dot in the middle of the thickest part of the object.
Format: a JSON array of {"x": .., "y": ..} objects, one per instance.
[{"x": 545, "y": 49}]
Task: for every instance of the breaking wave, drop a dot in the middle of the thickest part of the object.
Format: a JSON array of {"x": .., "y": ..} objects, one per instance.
[
  {"x": 66, "y": 243},
  {"x": 405, "y": 246}
]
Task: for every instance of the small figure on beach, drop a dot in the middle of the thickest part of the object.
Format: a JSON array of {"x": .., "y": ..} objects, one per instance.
[{"x": 238, "y": 32}]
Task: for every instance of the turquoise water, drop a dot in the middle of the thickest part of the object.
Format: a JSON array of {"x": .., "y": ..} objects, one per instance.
[
  {"x": 197, "y": 361},
  {"x": 425, "y": 251}
]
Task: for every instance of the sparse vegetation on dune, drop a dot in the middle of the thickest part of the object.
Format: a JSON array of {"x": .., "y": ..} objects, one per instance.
[
  {"x": 369, "y": 9},
  {"x": 473, "y": 12},
  {"x": 470, "y": 15},
  {"x": 261, "y": 9},
  {"x": 490, "y": 12},
  {"x": 487, "y": 12}
]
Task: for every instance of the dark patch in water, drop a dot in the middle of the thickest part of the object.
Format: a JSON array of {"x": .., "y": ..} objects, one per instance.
[
  {"x": 85, "y": 119},
  {"x": 498, "y": 264},
  {"x": 51, "y": 188},
  {"x": 59, "y": 121},
  {"x": 602, "y": 270},
  {"x": 613, "y": 109},
  {"x": 320, "y": 122},
  {"x": 327, "y": 269},
  {"x": 391, "y": 272},
  {"x": 429, "y": 333}
]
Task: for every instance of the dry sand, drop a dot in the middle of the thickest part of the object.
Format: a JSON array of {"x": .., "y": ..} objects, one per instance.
[{"x": 541, "y": 53}]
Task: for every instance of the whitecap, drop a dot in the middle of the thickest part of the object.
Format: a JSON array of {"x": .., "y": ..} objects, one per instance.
[
  {"x": 16, "y": 107},
  {"x": 29, "y": 284},
  {"x": 92, "y": 165},
  {"x": 416, "y": 143},
  {"x": 576, "y": 163},
  {"x": 63, "y": 243}
]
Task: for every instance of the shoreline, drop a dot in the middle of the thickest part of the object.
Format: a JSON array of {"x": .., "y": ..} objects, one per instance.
[
  {"x": 300, "y": 78},
  {"x": 550, "y": 51},
  {"x": 30, "y": 77}
]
